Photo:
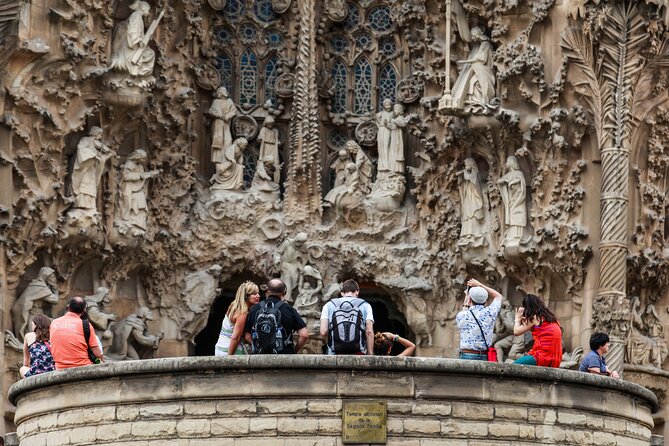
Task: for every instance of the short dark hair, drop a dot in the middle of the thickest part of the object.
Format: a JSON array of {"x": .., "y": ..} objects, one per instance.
[
  {"x": 276, "y": 287},
  {"x": 598, "y": 340},
  {"x": 76, "y": 305},
  {"x": 350, "y": 286}
]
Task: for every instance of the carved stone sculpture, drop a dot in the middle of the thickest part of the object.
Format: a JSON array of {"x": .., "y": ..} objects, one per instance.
[
  {"x": 133, "y": 210},
  {"x": 363, "y": 165},
  {"x": 512, "y": 189},
  {"x": 269, "y": 146},
  {"x": 132, "y": 339},
  {"x": 98, "y": 314},
  {"x": 390, "y": 143},
  {"x": 130, "y": 51},
  {"x": 310, "y": 287},
  {"x": 89, "y": 165},
  {"x": 508, "y": 346},
  {"x": 339, "y": 167},
  {"x": 35, "y": 299},
  {"x": 473, "y": 228},
  {"x": 291, "y": 257},
  {"x": 198, "y": 291},
  {"x": 263, "y": 180},
  {"x": 229, "y": 174},
  {"x": 387, "y": 191},
  {"x": 475, "y": 86},
  {"x": 351, "y": 186},
  {"x": 222, "y": 110},
  {"x": 646, "y": 344}
]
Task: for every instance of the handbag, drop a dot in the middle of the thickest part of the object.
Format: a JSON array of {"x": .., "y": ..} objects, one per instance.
[{"x": 491, "y": 351}]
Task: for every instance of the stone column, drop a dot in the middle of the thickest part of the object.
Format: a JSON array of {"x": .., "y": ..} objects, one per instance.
[
  {"x": 303, "y": 185},
  {"x": 611, "y": 308}
]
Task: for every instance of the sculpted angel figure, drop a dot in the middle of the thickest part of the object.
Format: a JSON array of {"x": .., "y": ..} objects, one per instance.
[
  {"x": 130, "y": 50},
  {"x": 475, "y": 85},
  {"x": 223, "y": 109},
  {"x": 512, "y": 189}
]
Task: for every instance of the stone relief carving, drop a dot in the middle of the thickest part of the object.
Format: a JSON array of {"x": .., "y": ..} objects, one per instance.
[
  {"x": 512, "y": 189},
  {"x": 646, "y": 344},
  {"x": 471, "y": 206},
  {"x": 98, "y": 315},
  {"x": 130, "y": 53},
  {"x": 39, "y": 295},
  {"x": 133, "y": 208},
  {"x": 222, "y": 110},
  {"x": 132, "y": 339},
  {"x": 269, "y": 146},
  {"x": 264, "y": 180},
  {"x": 290, "y": 258},
  {"x": 198, "y": 291},
  {"x": 309, "y": 296},
  {"x": 229, "y": 174}
]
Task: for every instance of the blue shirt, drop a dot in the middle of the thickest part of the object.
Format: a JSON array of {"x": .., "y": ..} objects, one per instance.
[
  {"x": 470, "y": 333},
  {"x": 591, "y": 360}
]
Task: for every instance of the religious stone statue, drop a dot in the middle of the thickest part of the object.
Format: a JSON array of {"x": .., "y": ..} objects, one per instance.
[
  {"x": 351, "y": 186},
  {"x": 363, "y": 165},
  {"x": 223, "y": 109},
  {"x": 230, "y": 171},
  {"x": 269, "y": 145},
  {"x": 130, "y": 50},
  {"x": 310, "y": 287},
  {"x": 339, "y": 167},
  {"x": 390, "y": 142},
  {"x": 646, "y": 344},
  {"x": 263, "y": 180},
  {"x": 133, "y": 214},
  {"x": 505, "y": 342},
  {"x": 290, "y": 257},
  {"x": 198, "y": 292},
  {"x": 472, "y": 229},
  {"x": 131, "y": 338},
  {"x": 512, "y": 189},
  {"x": 89, "y": 164},
  {"x": 475, "y": 85},
  {"x": 387, "y": 191},
  {"x": 98, "y": 314},
  {"x": 39, "y": 293}
]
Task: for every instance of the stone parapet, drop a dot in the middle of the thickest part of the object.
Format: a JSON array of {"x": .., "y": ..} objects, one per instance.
[{"x": 295, "y": 400}]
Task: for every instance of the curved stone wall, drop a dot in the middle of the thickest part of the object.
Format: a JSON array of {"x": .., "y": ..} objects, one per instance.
[{"x": 297, "y": 400}]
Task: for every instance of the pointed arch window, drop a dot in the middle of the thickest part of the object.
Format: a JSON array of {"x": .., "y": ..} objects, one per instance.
[
  {"x": 339, "y": 84},
  {"x": 248, "y": 78},
  {"x": 270, "y": 78},
  {"x": 225, "y": 69},
  {"x": 362, "y": 87},
  {"x": 387, "y": 84}
]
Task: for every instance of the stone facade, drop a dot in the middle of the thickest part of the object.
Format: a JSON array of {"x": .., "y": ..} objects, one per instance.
[
  {"x": 168, "y": 150},
  {"x": 251, "y": 401}
]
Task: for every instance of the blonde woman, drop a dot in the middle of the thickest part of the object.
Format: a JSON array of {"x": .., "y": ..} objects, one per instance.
[{"x": 232, "y": 330}]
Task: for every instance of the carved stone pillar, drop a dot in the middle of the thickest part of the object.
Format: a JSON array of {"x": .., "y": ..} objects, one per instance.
[
  {"x": 611, "y": 309},
  {"x": 303, "y": 185}
]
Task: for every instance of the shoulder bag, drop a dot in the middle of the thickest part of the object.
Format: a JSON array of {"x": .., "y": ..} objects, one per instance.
[{"x": 492, "y": 353}]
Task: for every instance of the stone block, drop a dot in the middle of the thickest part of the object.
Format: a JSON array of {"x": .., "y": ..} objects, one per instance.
[
  {"x": 230, "y": 426},
  {"x": 232, "y": 407},
  {"x": 503, "y": 430},
  {"x": 550, "y": 433},
  {"x": 350, "y": 384},
  {"x": 604, "y": 439},
  {"x": 543, "y": 416},
  {"x": 193, "y": 428},
  {"x": 154, "y": 429},
  {"x": 116, "y": 431},
  {"x": 200, "y": 407},
  {"x": 49, "y": 421},
  {"x": 313, "y": 383},
  {"x": 169, "y": 410},
  {"x": 58, "y": 438},
  {"x": 265, "y": 426},
  {"x": 510, "y": 412},
  {"x": 615, "y": 425},
  {"x": 440, "y": 442},
  {"x": 70, "y": 417},
  {"x": 211, "y": 442},
  {"x": 262, "y": 442},
  {"x": 526, "y": 431},
  {"x": 311, "y": 442},
  {"x": 35, "y": 440},
  {"x": 402, "y": 442},
  {"x": 97, "y": 415},
  {"x": 431, "y": 408},
  {"x": 473, "y": 411},
  {"x": 572, "y": 418},
  {"x": 455, "y": 387},
  {"x": 297, "y": 425},
  {"x": 470, "y": 430},
  {"x": 86, "y": 434},
  {"x": 330, "y": 426},
  {"x": 290, "y": 407},
  {"x": 127, "y": 413},
  {"x": 637, "y": 430},
  {"x": 399, "y": 407},
  {"x": 325, "y": 407},
  {"x": 422, "y": 426},
  {"x": 395, "y": 426},
  {"x": 577, "y": 436}
]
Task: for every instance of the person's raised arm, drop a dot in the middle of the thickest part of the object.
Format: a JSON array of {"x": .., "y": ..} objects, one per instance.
[
  {"x": 491, "y": 292},
  {"x": 520, "y": 324},
  {"x": 409, "y": 346}
]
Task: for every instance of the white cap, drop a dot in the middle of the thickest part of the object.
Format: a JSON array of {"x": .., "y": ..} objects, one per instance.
[{"x": 478, "y": 295}]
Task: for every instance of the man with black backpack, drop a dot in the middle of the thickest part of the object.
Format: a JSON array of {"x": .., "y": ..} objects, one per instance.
[
  {"x": 271, "y": 323},
  {"x": 347, "y": 323}
]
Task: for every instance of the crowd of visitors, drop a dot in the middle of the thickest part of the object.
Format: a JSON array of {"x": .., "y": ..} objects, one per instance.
[{"x": 253, "y": 325}]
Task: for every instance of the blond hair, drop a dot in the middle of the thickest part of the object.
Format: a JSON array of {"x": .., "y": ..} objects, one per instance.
[{"x": 241, "y": 304}]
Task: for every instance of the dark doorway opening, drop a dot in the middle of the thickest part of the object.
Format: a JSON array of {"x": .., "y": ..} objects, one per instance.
[
  {"x": 387, "y": 316},
  {"x": 205, "y": 341}
]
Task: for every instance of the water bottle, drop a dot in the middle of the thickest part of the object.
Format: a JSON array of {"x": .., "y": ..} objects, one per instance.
[{"x": 279, "y": 344}]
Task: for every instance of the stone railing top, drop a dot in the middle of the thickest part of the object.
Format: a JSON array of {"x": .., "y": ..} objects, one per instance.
[{"x": 325, "y": 362}]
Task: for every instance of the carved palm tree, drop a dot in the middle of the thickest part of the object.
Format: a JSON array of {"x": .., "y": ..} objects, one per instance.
[{"x": 609, "y": 75}]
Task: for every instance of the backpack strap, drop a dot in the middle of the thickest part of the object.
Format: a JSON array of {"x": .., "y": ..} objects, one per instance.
[
  {"x": 480, "y": 328},
  {"x": 87, "y": 331}
]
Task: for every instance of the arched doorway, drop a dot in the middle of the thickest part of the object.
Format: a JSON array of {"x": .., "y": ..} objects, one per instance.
[
  {"x": 387, "y": 316},
  {"x": 205, "y": 341}
]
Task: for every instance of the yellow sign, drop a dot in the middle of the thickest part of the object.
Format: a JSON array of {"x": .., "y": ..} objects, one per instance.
[{"x": 364, "y": 422}]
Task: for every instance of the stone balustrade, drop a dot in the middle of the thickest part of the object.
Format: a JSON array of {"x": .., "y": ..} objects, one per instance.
[{"x": 297, "y": 400}]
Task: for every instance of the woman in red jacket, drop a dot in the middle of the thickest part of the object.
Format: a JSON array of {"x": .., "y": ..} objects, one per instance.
[{"x": 546, "y": 331}]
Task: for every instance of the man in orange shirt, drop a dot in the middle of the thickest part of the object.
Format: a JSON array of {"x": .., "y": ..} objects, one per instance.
[{"x": 68, "y": 344}]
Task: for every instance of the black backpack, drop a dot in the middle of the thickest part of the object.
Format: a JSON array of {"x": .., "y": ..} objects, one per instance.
[
  {"x": 346, "y": 327},
  {"x": 267, "y": 329}
]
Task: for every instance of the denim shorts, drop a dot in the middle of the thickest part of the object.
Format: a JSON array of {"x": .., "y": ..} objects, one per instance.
[{"x": 473, "y": 356}]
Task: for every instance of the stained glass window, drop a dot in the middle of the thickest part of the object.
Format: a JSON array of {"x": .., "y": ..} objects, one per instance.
[
  {"x": 274, "y": 38},
  {"x": 362, "y": 93},
  {"x": 264, "y": 11},
  {"x": 339, "y": 84},
  {"x": 270, "y": 78},
  {"x": 224, "y": 65},
  {"x": 337, "y": 139},
  {"x": 248, "y": 78},
  {"x": 224, "y": 34},
  {"x": 249, "y": 167},
  {"x": 353, "y": 17},
  {"x": 379, "y": 19},
  {"x": 339, "y": 44},
  {"x": 363, "y": 41},
  {"x": 248, "y": 32},
  {"x": 387, "y": 46},
  {"x": 234, "y": 10},
  {"x": 387, "y": 84}
]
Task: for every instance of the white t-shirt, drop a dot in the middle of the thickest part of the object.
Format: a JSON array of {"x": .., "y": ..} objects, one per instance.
[{"x": 365, "y": 309}]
